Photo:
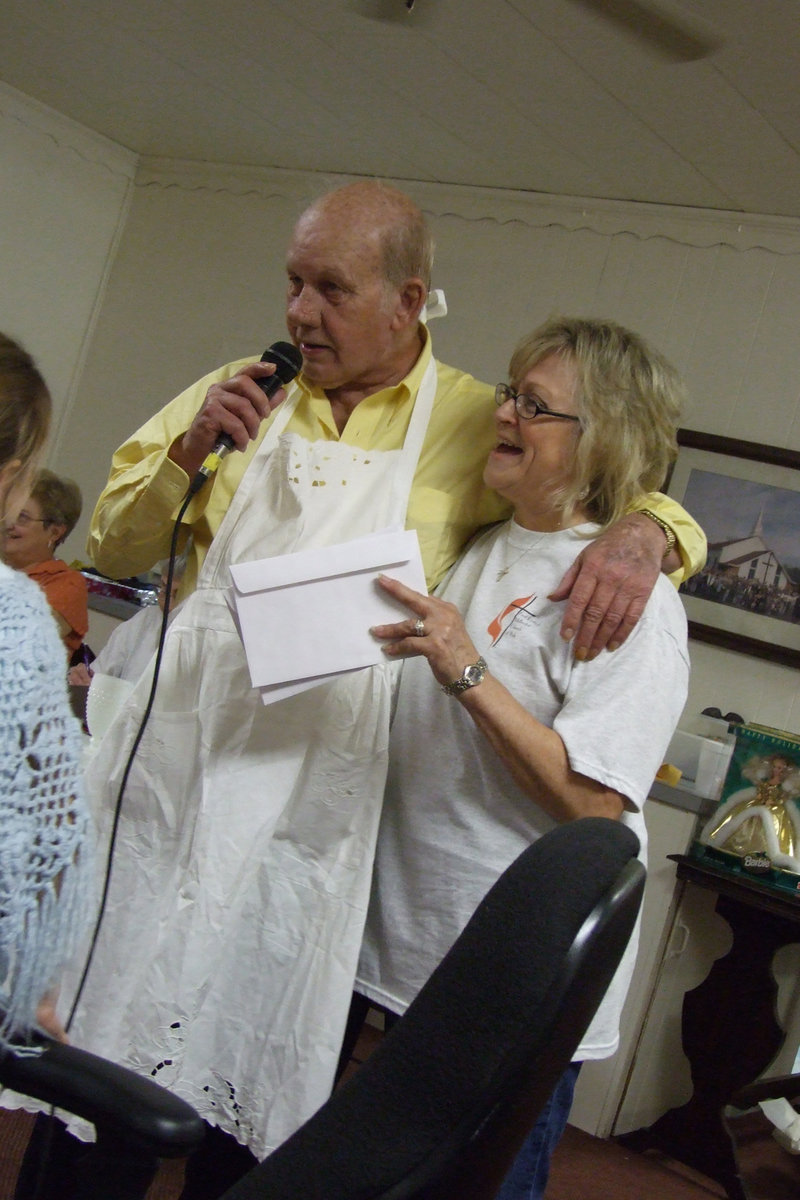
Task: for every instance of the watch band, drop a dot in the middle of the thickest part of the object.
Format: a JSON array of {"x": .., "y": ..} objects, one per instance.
[
  {"x": 473, "y": 674},
  {"x": 667, "y": 530}
]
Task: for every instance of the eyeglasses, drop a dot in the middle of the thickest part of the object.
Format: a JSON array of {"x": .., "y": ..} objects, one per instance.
[
  {"x": 527, "y": 407},
  {"x": 25, "y": 518}
]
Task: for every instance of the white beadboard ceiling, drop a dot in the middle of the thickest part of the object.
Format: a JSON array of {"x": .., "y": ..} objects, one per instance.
[{"x": 538, "y": 95}]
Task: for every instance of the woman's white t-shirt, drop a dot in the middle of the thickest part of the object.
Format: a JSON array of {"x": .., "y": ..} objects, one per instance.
[{"x": 454, "y": 818}]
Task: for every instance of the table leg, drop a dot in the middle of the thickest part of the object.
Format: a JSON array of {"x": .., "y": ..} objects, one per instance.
[{"x": 730, "y": 1035}]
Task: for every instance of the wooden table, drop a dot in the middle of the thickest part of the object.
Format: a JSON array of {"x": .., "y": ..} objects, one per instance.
[{"x": 730, "y": 1032}]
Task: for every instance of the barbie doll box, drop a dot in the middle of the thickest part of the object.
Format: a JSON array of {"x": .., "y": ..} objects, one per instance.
[{"x": 755, "y": 828}]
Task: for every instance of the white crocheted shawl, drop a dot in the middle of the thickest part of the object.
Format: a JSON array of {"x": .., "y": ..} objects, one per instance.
[{"x": 44, "y": 859}]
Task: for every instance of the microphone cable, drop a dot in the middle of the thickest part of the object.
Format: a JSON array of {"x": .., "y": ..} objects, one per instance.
[{"x": 129, "y": 762}]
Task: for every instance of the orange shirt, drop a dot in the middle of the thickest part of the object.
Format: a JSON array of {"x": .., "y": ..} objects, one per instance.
[{"x": 67, "y": 594}]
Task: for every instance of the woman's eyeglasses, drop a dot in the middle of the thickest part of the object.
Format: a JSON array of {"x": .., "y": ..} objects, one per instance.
[
  {"x": 527, "y": 407},
  {"x": 24, "y": 519}
]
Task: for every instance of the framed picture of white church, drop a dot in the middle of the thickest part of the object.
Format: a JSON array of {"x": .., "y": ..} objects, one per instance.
[{"x": 747, "y": 499}]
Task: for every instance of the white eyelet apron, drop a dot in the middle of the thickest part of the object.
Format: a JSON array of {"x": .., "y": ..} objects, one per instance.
[{"x": 241, "y": 879}]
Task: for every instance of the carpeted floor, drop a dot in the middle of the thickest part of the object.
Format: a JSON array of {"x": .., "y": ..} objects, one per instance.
[{"x": 587, "y": 1168}]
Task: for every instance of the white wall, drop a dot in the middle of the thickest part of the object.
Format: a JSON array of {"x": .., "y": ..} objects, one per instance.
[{"x": 63, "y": 202}]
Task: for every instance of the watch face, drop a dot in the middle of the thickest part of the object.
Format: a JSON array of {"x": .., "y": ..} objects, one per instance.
[{"x": 473, "y": 673}]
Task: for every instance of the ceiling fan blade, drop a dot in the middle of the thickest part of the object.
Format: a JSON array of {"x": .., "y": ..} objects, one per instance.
[
  {"x": 411, "y": 13},
  {"x": 671, "y": 31}
]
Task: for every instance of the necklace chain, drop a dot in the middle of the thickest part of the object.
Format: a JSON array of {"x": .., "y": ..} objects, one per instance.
[{"x": 505, "y": 569}]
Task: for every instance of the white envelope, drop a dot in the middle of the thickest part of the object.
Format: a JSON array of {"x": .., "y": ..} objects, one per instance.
[{"x": 305, "y": 617}]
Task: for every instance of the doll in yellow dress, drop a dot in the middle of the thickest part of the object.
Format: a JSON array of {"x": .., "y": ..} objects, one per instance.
[{"x": 764, "y": 818}]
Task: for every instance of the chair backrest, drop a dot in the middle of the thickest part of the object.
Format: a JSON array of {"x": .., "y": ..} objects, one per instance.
[{"x": 440, "y": 1109}]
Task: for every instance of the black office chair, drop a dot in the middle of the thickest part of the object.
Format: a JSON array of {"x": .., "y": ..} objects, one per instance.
[
  {"x": 439, "y": 1111},
  {"x": 441, "y": 1108}
]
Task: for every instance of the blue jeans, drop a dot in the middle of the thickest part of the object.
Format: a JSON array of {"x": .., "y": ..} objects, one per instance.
[{"x": 527, "y": 1178}]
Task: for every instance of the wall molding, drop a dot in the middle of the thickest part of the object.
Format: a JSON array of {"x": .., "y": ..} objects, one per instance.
[
  {"x": 67, "y": 135},
  {"x": 686, "y": 226}
]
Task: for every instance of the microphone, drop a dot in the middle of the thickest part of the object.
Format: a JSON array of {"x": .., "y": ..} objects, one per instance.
[{"x": 288, "y": 360}]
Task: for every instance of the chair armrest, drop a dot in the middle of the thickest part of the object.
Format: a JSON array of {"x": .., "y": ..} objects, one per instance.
[
  {"x": 785, "y": 1086},
  {"x": 112, "y": 1097}
]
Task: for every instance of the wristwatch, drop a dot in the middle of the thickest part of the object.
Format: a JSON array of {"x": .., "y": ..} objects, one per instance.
[{"x": 473, "y": 675}]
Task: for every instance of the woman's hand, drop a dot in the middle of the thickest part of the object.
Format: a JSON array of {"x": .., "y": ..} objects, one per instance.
[
  {"x": 435, "y": 631},
  {"x": 534, "y": 753},
  {"x": 79, "y": 675},
  {"x": 46, "y": 1017}
]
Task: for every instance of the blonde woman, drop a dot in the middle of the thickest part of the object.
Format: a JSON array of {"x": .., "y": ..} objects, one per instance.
[{"x": 499, "y": 732}]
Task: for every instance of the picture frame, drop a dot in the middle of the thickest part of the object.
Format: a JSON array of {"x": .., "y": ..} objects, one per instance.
[{"x": 746, "y": 497}]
